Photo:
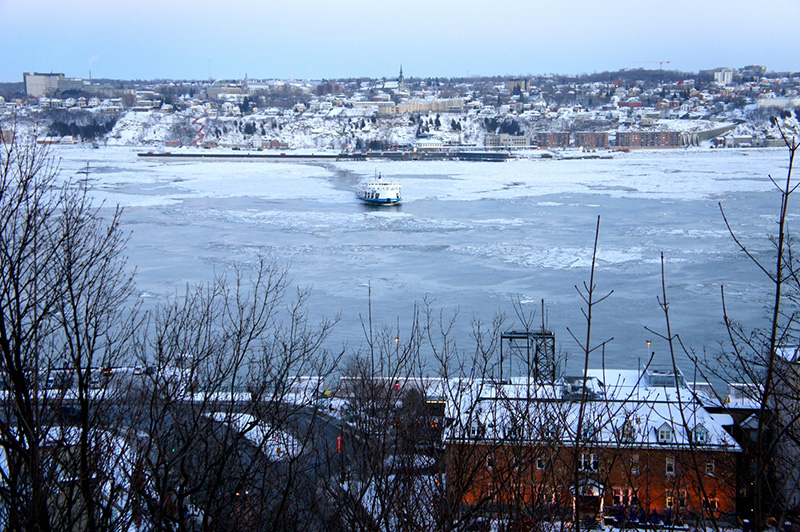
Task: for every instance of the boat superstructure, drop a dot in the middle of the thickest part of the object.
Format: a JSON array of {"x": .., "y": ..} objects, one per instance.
[{"x": 379, "y": 191}]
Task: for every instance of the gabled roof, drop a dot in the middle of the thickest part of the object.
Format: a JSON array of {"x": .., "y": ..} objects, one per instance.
[{"x": 535, "y": 410}]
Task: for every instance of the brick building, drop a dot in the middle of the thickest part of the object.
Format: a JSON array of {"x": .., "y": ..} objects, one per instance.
[
  {"x": 638, "y": 447},
  {"x": 648, "y": 139},
  {"x": 552, "y": 140},
  {"x": 591, "y": 140}
]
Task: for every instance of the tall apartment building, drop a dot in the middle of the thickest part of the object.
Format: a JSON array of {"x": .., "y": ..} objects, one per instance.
[
  {"x": 38, "y": 84},
  {"x": 523, "y": 85}
]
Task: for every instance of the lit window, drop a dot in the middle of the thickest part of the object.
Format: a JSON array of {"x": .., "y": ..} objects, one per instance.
[
  {"x": 624, "y": 497},
  {"x": 700, "y": 434},
  {"x": 676, "y": 498},
  {"x": 670, "y": 469},
  {"x": 710, "y": 504}
]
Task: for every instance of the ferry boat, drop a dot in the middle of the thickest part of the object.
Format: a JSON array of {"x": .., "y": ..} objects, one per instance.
[{"x": 379, "y": 191}]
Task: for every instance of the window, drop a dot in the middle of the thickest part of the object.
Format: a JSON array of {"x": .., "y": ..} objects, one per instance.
[
  {"x": 670, "y": 468},
  {"x": 490, "y": 463},
  {"x": 635, "y": 464},
  {"x": 587, "y": 462},
  {"x": 675, "y": 499},
  {"x": 711, "y": 467},
  {"x": 544, "y": 495},
  {"x": 476, "y": 430},
  {"x": 665, "y": 433},
  {"x": 512, "y": 431},
  {"x": 624, "y": 497},
  {"x": 541, "y": 464},
  {"x": 700, "y": 434},
  {"x": 710, "y": 504},
  {"x": 493, "y": 491},
  {"x": 628, "y": 432}
]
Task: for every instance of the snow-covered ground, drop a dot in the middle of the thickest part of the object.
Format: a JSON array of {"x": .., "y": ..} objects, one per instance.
[{"x": 275, "y": 444}]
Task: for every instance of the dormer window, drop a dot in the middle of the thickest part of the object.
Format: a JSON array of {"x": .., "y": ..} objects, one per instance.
[
  {"x": 628, "y": 432},
  {"x": 665, "y": 433},
  {"x": 512, "y": 431},
  {"x": 476, "y": 430},
  {"x": 589, "y": 431},
  {"x": 700, "y": 434}
]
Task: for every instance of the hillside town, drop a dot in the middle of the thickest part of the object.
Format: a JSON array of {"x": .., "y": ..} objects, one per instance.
[{"x": 628, "y": 109}]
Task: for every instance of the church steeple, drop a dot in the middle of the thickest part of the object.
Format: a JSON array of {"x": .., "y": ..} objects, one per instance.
[{"x": 401, "y": 81}]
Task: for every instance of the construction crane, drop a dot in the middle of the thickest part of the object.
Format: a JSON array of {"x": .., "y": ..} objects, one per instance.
[{"x": 660, "y": 63}]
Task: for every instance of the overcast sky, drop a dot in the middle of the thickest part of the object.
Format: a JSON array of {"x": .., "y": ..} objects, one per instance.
[{"x": 185, "y": 39}]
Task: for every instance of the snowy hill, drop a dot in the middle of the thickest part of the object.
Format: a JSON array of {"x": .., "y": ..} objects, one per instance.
[{"x": 344, "y": 128}]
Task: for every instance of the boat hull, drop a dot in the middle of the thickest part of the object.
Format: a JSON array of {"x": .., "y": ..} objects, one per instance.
[{"x": 379, "y": 201}]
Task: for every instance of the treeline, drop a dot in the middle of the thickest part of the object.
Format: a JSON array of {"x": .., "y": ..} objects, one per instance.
[
  {"x": 507, "y": 125},
  {"x": 86, "y": 127}
]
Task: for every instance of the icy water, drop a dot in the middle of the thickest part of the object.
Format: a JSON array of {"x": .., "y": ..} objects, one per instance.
[{"x": 469, "y": 236}]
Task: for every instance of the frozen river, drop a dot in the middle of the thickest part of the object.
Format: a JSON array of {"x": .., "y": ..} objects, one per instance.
[{"x": 469, "y": 235}]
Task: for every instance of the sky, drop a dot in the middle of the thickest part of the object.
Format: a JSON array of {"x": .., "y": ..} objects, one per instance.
[{"x": 316, "y": 39}]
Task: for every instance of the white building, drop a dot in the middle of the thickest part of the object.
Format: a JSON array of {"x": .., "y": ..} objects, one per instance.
[
  {"x": 724, "y": 76},
  {"x": 38, "y": 84}
]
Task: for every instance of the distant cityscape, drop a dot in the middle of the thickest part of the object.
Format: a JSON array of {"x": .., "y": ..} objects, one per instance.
[{"x": 627, "y": 109}]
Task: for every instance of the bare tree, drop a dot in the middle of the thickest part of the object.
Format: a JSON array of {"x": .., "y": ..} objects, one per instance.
[
  {"x": 63, "y": 294},
  {"x": 764, "y": 362},
  {"x": 227, "y": 407},
  {"x": 591, "y": 300}
]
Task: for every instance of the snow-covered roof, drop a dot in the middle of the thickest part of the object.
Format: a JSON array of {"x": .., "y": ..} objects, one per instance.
[
  {"x": 622, "y": 407},
  {"x": 789, "y": 354}
]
